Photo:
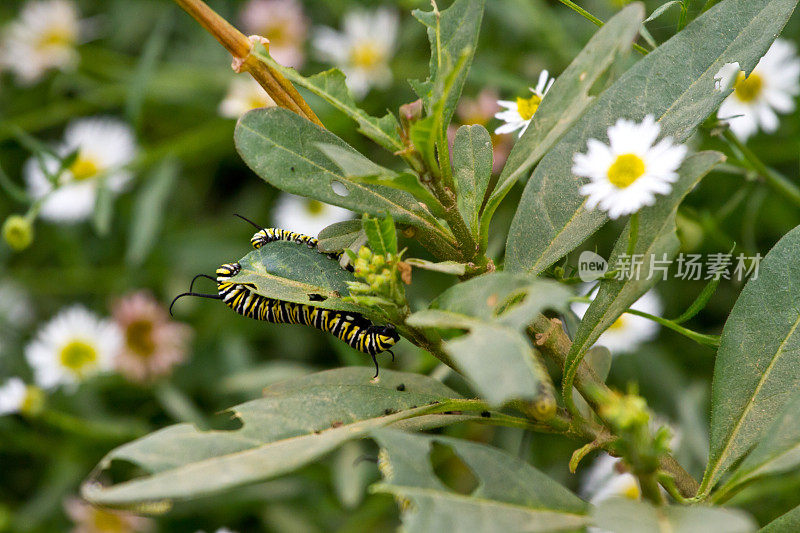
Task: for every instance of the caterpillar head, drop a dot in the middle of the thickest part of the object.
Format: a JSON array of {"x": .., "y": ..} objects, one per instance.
[{"x": 387, "y": 336}]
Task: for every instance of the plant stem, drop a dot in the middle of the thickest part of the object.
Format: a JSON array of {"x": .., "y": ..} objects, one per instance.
[
  {"x": 551, "y": 339},
  {"x": 706, "y": 340},
  {"x": 277, "y": 86},
  {"x": 634, "y": 234},
  {"x": 774, "y": 179},
  {"x": 596, "y": 21}
]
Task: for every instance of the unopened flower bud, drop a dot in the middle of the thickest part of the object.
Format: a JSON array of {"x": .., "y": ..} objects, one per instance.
[
  {"x": 365, "y": 253},
  {"x": 18, "y": 232}
]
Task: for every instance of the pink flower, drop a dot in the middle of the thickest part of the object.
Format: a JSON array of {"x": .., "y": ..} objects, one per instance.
[
  {"x": 90, "y": 519},
  {"x": 283, "y": 23},
  {"x": 153, "y": 343}
]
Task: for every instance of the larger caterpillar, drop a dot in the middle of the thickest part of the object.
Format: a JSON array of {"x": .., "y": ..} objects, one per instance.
[{"x": 352, "y": 328}]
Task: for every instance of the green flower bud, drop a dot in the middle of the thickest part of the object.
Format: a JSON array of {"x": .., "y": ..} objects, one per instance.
[
  {"x": 365, "y": 253},
  {"x": 378, "y": 261},
  {"x": 18, "y": 232}
]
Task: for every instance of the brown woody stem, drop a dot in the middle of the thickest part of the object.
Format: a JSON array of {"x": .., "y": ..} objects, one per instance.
[
  {"x": 277, "y": 86},
  {"x": 553, "y": 342}
]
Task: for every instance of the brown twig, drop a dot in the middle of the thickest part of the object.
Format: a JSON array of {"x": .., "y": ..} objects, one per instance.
[
  {"x": 277, "y": 86},
  {"x": 553, "y": 342}
]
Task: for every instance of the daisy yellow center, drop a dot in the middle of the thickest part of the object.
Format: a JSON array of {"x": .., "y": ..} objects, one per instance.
[
  {"x": 55, "y": 38},
  {"x": 618, "y": 324},
  {"x": 257, "y": 101},
  {"x": 276, "y": 34},
  {"x": 625, "y": 170},
  {"x": 314, "y": 207},
  {"x": 78, "y": 356},
  {"x": 526, "y": 107},
  {"x": 748, "y": 88},
  {"x": 139, "y": 338},
  {"x": 83, "y": 168},
  {"x": 366, "y": 55},
  {"x": 34, "y": 400},
  {"x": 632, "y": 492},
  {"x": 108, "y": 522}
]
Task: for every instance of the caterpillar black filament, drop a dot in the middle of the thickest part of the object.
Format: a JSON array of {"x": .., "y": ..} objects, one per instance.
[{"x": 352, "y": 328}]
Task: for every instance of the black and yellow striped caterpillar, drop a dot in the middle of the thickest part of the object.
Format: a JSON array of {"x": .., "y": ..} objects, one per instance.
[{"x": 352, "y": 328}]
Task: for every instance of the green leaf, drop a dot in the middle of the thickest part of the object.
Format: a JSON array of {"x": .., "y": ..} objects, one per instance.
[
  {"x": 776, "y": 451},
  {"x": 675, "y": 83},
  {"x": 341, "y": 235},
  {"x": 757, "y": 371},
  {"x": 148, "y": 211},
  {"x": 423, "y": 134},
  {"x": 786, "y": 523},
  {"x": 495, "y": 355},
  {"x": 353, "y": 165},
  {"x": 453, "y": 34},
  {"x": 445, "y": 267},
  {"x": 294, "y": 424},
  {"x": 381, "y": 234},
  {"x": 657, "y": 240},
  {"x": 620, "y": 515},
  {"x": 565, "y": 103},
  {"x": 285, "y": 271},
  {"x": 472, "y": 169},
  {"x": 330, "y": 86},
  {"x": 513, "y": 299},
  {"x": 511, "y": 494},
  {"x": 284, "y": 150}
]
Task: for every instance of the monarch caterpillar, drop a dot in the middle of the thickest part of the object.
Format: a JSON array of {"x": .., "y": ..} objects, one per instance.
[{"x": 353, "y": 328}]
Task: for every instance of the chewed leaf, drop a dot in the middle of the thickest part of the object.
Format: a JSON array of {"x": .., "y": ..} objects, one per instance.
[
  {"x": 295, "y": 423},
  {"x": 510, "y": 495},
  {"x": 296, "y": 273}
]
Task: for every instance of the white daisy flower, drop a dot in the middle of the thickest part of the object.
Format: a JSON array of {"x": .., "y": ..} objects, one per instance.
[
  {"x": 627, "y": 173},
  {"x": 44, "y": 36},
  {"x": 73, "y": 346},
  {"x": 283, "y": 23},
  {"x": 244, "y": 94},
  {"x": 12, "y": 396},
  {"x": 606, "y": 479},
  {"x": 305, "y": 215},
  {"x": 769, "y": 89},
  {"x": 518, "y": 114},
  {"x": 104, "y": 146},
  {"x": 629, "y": 331},
  {"x": 362, "y": 50}
]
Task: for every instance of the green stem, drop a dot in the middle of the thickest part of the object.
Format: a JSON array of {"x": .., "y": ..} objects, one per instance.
[
  {"x": 596, "y": 21},
  {"x": 634, "y": 234},
  {"x": 106, "y": 430},
  {"x": 774, "y": 179},
  {"x": 706, "y": 340}
]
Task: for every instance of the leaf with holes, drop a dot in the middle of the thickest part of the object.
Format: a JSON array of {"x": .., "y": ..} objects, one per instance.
[
  {"x": 757, "y": 372},
  {"x": 296, "y": 273},
  {"x": 511, "y": 495},
  {"x": 565, "y": 103},
  {"x": 675, "y": 82},
  {"x": 284, "y": 150},
  {"x": 656, "y": 240},
  {"x": 295, "y": 423}
]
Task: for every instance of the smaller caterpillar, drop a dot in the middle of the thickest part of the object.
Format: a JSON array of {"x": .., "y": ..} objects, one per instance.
[{"x": 352, "y": 328}]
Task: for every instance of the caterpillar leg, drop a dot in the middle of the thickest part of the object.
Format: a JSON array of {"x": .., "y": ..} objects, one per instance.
[{"x": 377, "y": 369}]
